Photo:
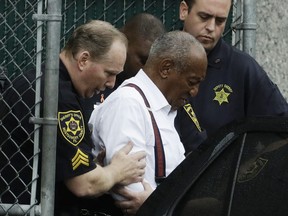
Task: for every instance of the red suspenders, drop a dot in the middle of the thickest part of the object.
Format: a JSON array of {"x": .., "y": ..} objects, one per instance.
[{"x": 160, "y": 172}]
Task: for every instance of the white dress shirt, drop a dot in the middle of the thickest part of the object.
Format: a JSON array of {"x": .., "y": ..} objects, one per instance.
[{"x": 124, "y": 117}]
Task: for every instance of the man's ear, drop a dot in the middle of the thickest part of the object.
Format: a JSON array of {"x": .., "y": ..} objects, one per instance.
[
  {"x": 166, "y": 68},
  {"x": 183, "y": 10},
  {"x": 82, "y": 59}
]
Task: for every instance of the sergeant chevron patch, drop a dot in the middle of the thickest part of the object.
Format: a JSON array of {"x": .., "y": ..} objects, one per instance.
[{"x": 79, "y": 158}]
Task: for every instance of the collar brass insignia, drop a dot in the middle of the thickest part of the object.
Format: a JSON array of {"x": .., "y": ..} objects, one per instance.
[
  {"x": 188, "y": 108},
  {"x": 71, "y": 125}
]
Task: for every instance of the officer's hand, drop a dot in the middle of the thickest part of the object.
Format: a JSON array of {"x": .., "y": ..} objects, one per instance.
[{"x": 130, "y": 168}]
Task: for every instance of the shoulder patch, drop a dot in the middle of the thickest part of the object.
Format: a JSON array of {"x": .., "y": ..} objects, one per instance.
[{"x": 71, "y": 124}]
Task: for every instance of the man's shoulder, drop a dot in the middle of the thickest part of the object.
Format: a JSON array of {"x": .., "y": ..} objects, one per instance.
[
  {"x": 123, "y": 98},
  {"x": 237, "y": 58},
  {"x": 126, "y": 92},
  {"x": 236, "y": 52}
]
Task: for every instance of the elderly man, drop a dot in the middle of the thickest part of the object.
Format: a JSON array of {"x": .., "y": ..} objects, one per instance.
[{"x": 143, "y": 108}]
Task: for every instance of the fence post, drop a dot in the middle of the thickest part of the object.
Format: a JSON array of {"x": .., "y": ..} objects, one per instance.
[
  {"x": 249, "y": 27},
  {"x": 50, "y": 107}
]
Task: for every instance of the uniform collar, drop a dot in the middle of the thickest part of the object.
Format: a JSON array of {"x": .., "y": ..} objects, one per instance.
[
  {"x": 63, "y": 72},
  {"x": 216, "y": 57}
]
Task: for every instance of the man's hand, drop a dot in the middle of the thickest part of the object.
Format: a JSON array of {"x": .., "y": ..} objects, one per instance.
[
  {"x": 129, "y": 168},
  {"x": 124, "y": 169},
  {"x": 133, "y": 200}
]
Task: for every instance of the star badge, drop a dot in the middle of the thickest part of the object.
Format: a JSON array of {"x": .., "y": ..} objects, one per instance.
[{"x": 221, "y": 96}]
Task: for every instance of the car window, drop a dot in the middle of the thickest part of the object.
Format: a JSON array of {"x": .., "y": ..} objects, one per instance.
[
  {"x": 250, "y": 177},
  {"x": 208, "y": 195}
]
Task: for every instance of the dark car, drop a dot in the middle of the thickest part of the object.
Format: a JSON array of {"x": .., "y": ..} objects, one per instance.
[{"x": 243, "y": 170}]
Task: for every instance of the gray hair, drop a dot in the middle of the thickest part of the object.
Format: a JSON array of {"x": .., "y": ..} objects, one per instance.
[
  {"x": 95, "y": 36},
  {"x": 175, "y": 45}
]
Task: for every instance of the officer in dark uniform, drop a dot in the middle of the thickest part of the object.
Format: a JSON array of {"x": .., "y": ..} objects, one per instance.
[
  {"x": 235, "y": 85},
  {"x": 75, "y": 131},
  {"x": 85, "y": 67}
]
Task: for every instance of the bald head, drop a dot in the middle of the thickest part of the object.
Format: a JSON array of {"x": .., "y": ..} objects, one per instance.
[
  {"x": 141, "y": 31},
  {"x": 143, "y": 26}
]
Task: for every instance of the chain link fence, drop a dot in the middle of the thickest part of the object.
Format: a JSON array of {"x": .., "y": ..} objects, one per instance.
[{"x": 23, "y": 46}]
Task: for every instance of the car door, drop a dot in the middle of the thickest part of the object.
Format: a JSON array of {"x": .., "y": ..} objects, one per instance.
[{"x": 241, "y": 171}]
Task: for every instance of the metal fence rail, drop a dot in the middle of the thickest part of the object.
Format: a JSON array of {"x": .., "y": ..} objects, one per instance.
[{"x": 23, "y": 46}]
